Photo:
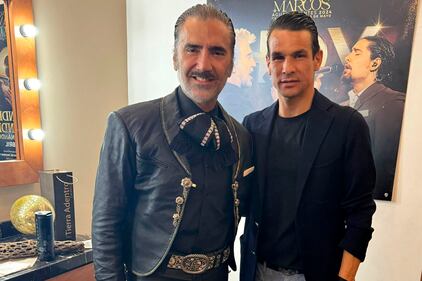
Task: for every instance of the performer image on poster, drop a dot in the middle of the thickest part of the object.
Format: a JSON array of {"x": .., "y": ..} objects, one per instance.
[
  {"x": 312, "y": 207},
  {"x": 366, "y": 69},
  {"x": 7, "y": 133},
  {"x": 174, "y": 172}
]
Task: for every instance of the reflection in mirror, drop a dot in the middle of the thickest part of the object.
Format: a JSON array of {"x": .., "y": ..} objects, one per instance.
[{"x": 7, "y": 134}]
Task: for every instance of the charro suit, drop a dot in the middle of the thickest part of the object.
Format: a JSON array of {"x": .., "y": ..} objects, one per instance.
[
  {"x": 336, "y": 176},
  {"x": 382, "y": 109},
  {"x": 143, "y": 185}
]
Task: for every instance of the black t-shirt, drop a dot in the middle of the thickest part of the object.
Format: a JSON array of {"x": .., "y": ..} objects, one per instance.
[{"x": 278, "y": 244}]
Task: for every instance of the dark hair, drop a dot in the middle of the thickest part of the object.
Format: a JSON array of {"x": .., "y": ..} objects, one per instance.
[
  {"x": 295, "y": 21},
  {"x": 383, "y": 49},
  {"x": 204, "y": 11}
]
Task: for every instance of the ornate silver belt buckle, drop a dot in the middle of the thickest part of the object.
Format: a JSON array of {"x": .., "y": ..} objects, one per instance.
[{"x": 195, "y": 263}]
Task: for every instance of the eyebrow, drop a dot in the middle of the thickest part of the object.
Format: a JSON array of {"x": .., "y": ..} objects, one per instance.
[
  {"x": 276, "y": 54},
  {"x": 298, "y": 52},
  {"x": 211, "y": 48},
  {"x": 356, "y": 49},
  {"x": 217, "y": 49},
  {"x": 189, "y": 45}
]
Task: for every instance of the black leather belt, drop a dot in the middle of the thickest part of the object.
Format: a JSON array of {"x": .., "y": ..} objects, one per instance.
[{"x": 198, "y": 263}]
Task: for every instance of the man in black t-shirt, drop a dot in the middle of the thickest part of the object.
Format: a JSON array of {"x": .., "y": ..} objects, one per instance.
[{"x": 311, "y": 217}]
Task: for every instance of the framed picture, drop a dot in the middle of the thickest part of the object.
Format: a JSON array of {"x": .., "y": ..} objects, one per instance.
[{"x": 383, "y": 28}]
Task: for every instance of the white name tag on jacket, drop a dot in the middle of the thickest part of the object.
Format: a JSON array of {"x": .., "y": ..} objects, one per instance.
[{"x": 248, "y": 171}]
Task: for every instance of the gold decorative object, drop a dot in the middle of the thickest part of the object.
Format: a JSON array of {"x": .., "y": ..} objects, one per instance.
[{"x": 22, "y": 213}]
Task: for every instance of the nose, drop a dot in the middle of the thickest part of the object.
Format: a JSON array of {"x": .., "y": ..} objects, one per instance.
[
  {"x": 204, "y": 61},
  {"x": 288, "y": 66}
]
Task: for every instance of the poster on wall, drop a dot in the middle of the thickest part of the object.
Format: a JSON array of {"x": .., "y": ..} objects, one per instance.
[
  {"x": 7, "y": 134},
  {"x": 346, "y": 29}
]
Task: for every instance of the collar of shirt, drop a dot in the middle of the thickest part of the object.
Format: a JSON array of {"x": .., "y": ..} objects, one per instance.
[{"x": 353, "y": 97}]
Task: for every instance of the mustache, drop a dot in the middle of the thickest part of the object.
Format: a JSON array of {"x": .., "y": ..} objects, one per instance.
[{"x": 209, "y": 75}]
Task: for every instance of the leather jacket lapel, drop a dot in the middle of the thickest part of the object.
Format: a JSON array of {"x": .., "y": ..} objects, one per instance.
[
  {"x": 235, "y": 143},
  {"x": 170, "y": 112}
]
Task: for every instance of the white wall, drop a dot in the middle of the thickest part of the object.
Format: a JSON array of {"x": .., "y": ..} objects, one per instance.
[
  {"x": 81, "y": 52},
  {"x": 150, "y": 26},
  {"x": 395, "y": 253}
]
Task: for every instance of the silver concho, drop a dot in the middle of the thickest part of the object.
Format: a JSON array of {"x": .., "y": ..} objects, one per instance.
[
  {"x": 179, "y": 200},
  {"x": 236, "y": 202},
  {"x": 186, "y": 183}
]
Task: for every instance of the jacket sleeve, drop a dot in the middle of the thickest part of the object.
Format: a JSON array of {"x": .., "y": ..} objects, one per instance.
[
  {"x": 115, "y": 179},
  {"x": 357, "y": 201}
]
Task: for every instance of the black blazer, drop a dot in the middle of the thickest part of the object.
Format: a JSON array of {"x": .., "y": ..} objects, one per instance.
[
  {"x": 138, "y": 180},
  {"x": 335, "y": 184}
]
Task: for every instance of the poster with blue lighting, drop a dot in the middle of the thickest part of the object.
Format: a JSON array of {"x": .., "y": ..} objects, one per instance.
[
  {"x": 7, "y": 133},
  {"x": 385, "y": 28}
]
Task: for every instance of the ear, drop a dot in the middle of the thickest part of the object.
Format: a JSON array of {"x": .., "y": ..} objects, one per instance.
[
  {"x": 175, "y": 64},
  {"x": 267, "y": 59},
  {"x": 318, "y": 60},
  {"x": 375, "y": 64}
]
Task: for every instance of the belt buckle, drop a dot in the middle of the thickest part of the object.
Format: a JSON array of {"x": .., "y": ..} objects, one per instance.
[{"x": 195, "y": 263}]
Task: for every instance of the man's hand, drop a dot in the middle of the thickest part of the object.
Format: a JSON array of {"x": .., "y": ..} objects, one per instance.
[{"x": 349, "y": 267}]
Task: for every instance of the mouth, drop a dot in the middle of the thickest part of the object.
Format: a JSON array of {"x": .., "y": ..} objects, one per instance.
[
  {"x": 203, "y": 77},
  {"x": 347, "y": 70},
  {"x": 289, "y": 82}
]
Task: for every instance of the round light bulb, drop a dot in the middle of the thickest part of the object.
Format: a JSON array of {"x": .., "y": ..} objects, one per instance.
[
  {"x": 28, "y": 30},
  {"x": 36, "y": 134},
  {"x": 32, "y": 84}
]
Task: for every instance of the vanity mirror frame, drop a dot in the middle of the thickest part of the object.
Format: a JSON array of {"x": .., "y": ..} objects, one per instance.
[{"x": 26, "y": 107}]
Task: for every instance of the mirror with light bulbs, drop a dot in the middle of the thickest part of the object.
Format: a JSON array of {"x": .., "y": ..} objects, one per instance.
[{"x": 20, "y": 124}]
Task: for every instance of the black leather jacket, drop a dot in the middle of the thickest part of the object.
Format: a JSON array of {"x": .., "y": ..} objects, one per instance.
[{"x": 138, "y": 180}]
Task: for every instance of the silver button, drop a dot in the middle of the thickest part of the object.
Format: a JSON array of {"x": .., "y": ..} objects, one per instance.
[
  {"x": 236, "y": 202},
  {"x": 186, "y": 182},
  {"x": 179, "y": 200},
  {"x": 235, "y": 185}
]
